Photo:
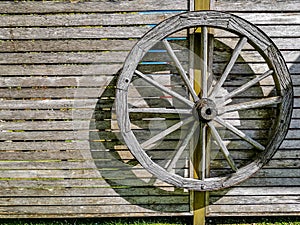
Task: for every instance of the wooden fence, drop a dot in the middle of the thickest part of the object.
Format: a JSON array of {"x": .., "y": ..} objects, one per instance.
[
  {"x": 58, "y": 66},
  {"x": 275, "y": 189},
  {"x": 60, "y": 154}
]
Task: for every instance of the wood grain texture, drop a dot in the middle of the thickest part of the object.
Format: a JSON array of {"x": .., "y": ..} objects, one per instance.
[
  {"x": 265, "y": 5},
  {"x": 57, "y": 58},
  {"x": 261, "y": 43},
  {"x": 90, "y": 6},
  {"x": 273, "y": 189},
  {"x": 58, "y": 52},
  {"x": 80, "y": 20}
]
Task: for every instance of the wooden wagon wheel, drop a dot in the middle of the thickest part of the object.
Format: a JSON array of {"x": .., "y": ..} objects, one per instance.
[{"x": 206, "y": 111}]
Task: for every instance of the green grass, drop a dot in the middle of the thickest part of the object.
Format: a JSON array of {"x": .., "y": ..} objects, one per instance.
[
  {"x": 254, "y": 221},
  {"x": 107, "y": 221},
  {"x": 157, "y": 221}
]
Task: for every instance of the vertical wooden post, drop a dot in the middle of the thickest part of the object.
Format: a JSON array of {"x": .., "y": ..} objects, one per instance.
[{"x": 199, "y": 199}]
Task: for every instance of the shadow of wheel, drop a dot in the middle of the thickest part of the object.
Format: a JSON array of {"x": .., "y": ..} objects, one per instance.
[
  {"x": 125, "y": 175},
  {"x": 119, "y": 168}
]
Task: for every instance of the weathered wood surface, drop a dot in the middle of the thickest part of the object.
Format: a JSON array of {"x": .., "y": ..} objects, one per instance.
[
  {"x": 265, "y": 6},
  {"x": 57, "y": 58},
  {"x": 57, "y": 62},
  {"x": 219, "y": 20},
  {"x": 77, "y": 20},
  {"x": 274, "y": 190},
  {"x": 27, "y": 7}
]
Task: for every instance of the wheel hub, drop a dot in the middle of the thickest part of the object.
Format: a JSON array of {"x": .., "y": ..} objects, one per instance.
[{"x": 205, "y": 110}]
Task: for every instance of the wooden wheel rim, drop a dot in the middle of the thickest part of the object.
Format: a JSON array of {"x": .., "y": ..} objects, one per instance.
[{"x": 236, "y": 25}]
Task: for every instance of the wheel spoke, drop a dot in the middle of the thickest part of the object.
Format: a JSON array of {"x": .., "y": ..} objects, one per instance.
[
  {"x": 237, "y": 50},
  {"x": 181, "y": 70},
  {"x": 239, "y": 133},
  {"x": 248, "y": 85},
  {"x": 250, "y": 105},
  {"x": 204, "y": 44},
  {"x": 160, "y": 110},
  {"x": 164, "y": 89},
  {"x": 182, "y": 147},
  {"x": 166, "y": 132},
  {"x": 203, "y": 137},
  {"x": 221, "y": 144}
]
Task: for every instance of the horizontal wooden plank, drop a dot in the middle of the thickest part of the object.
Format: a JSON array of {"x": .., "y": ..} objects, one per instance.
[
  {"x": 254, "y": 210},
  {"x": 296, "y": 104},
  {"x": 290, "y": 144},
  {"x": 108, "y": 163},
  {"x": 287, "y": 163},
  {"x": 59, "y": 81},
  {"x": 89, "y": 211},
  {"x": 96, "y": 201},
  {"x": 90, "y": 19},
  {"x": 296, "y": 113},
  {"x": 292, "y": 134},
  {"x": 25, "y": 33},
  {"x": 91, "y": 215},
  {"x": 97, "y": 19},
  {"x": 58, "y": 177},
  {"x": 40, "y": 155},
  {"x": 278, "y": 172},
  {"x": 63, "y": 104},
  {"x": 44, "y": 145},
  {"x": 273, "y": 31},
  {"x": 283, "y": 182},
  {"x": 46, "y": 93},
  {"x": 284, "y": 154},
  {"x": 45, "y": 165},
  {"x": 287, "y": 43},
  {"x": 271, "y": 18},
  {"x": 123, "y": 174},
  {"x": 44, "y": 154},
  {"x": 107, "y": 19},
  {"x": 255, "y": 200},
  {"x": 50, "y": 211},
  {"x": 80, "y": 177},
  {"x": 28, "y": 7},
  {"x": 108, "y": 69},
  {"x": 258, "y": 191},
  {"x": 119, "y": 57},
  {"x": 281, "y": 30},
  {"x": 295, "y": 77},
  {"x": 83, "y": 187},
  {"x": 101, "y": 57},
  {"x": 116, "y": 32},
  {"x": 45, "y": 125},
  {"x": 84, "y": 114},
  {"x": 65, "y": 45},
  {"x": 85, "y": 145},
  {"x": 63, "y": 58},
  {"x": 45, "y": 135},
  {"x": 49, "y": 114},
  {"x": 289, "y": 56},
  {"x": 240, "y": 5},
  {"x": 89, "y": 178},
  {"x": 72, "y": 33},
  {"x": 85, "y": 124},
  {"x": 103, "y": 45},
  {"x": 42, "y": 93},
  {"x": 81, "y": 134},
  {"x": 59, "y": 70},
  {"x": 282, "y": 164}
]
